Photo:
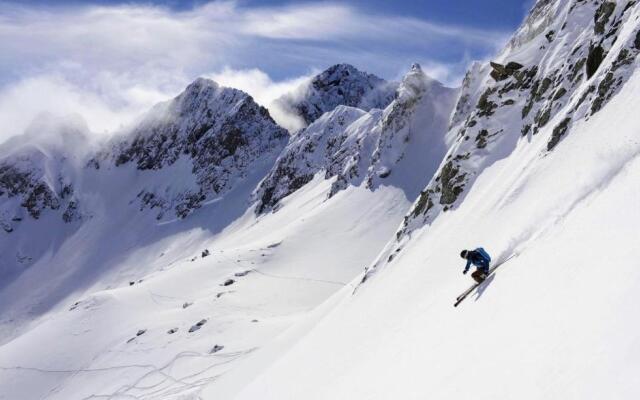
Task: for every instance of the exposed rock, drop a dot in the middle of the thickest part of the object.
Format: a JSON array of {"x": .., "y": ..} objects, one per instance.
[
  {"x": 341, "y": 84},
  {"x": 602, "y": 15},
  {"x": 423, "y": 204},
  {"x": 197, "y": 326},
  {"x": 596, "y": 55},
  {"x": 603, "y": 91},
  {"x": 550, "y": 36},
  {"x": 559, "y": 93},
  {"x": 501, "y": 72},
  {"x": 576, "y": 70},
  {"x": 481, "y": 139},
  {"x": 221, "y": 132},
  {"x": 486, "y": 106},
  {"x": 542, "y": 117},
  {"x": 451, "y": 187},
  {"x": 216, "y": 349},
  {"x": 557, "y": 134}
]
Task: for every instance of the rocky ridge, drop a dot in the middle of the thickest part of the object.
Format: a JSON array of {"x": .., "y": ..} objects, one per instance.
[
  {"x": 341, "y": 84},
  {"x": 356, "y": 147},
  {"x": 566, "y": 61}
]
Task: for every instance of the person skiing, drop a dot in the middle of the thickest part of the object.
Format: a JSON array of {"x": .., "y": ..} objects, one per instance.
[{"x": 481, "y": 259}]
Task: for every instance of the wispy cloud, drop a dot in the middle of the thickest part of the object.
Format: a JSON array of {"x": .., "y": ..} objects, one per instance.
[
  {"x": 111, "y": 62},
  {"x": 264, "y": 90}
]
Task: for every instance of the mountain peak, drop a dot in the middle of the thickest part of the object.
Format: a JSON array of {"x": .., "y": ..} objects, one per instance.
[
  {"x": 201, "y": 83},
  {"x": 415, "y": 82},
  {"x": 340, "y": 84}
]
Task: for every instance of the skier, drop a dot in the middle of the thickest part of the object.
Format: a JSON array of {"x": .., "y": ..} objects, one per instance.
[{"x": 481, "y": 259}]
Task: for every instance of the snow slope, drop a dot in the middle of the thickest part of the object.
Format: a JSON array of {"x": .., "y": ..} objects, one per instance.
[
  {"x": 293, "y": 260},
  {"x": 557, "y": 321},
  {"x": 210, "y": 259},
  {"x": 144, "y": 301}
]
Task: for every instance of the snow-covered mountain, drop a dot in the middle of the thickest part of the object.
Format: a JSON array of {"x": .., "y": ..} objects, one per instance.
[
  {"x": 543, "y": 165},
  {"x": 208, "y": 138},
  {"x": 561, "y": 67},
  {"x": 341, "y": 84},
  {"x": 60, "y": 192},
  {"x": 399, "y": 146},
  {"x": 213, "y": 255},
  {"x": 164, "y": 246},
  {"x": 37, "y": 170}
]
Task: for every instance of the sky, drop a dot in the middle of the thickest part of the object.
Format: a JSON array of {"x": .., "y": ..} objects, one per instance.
[{"x": 111, "y": 60}]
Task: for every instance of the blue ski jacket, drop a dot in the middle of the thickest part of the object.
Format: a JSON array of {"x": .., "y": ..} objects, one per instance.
[{"x": 478, "y": 257}]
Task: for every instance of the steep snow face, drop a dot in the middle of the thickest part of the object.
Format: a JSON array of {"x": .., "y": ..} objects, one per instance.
[
  {"x": 556, "y": 321},
  {"x": 341, "y": 84},
  {"x": 400, "y": 146},
  {"x": 210, "y": 135},
  {"x": 561, "y": 67}
]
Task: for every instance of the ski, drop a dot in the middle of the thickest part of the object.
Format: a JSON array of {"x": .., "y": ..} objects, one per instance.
[{"x": 473, "y": 287}]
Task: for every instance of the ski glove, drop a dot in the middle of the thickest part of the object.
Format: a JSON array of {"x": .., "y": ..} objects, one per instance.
[{"x": 465, "y": 272}]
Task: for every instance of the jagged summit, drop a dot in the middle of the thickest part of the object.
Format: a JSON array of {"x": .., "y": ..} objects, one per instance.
[
  {"x": 398, "y": 146},
  {"x": 415, "y": 82},
  {"x": 222, "y": 131},
  {"x": 341, "y": 84}
]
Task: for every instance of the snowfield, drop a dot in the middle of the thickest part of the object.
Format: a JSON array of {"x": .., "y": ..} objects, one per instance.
[{"x": 87, "y": 346}]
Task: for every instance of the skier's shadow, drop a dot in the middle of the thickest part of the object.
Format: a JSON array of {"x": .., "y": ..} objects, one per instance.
[{"x": 483, "y": 286}]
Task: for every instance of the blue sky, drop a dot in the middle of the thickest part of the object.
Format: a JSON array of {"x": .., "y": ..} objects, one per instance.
[
  {"x": 505, "y": 14},
  {"x": 109, "y": 60}
]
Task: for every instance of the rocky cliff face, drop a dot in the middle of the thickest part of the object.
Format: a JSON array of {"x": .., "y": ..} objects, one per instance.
[
  {"x": 208, "y": 138},
  {"x": 184, "y": 152},
  {"x": 399, "y": 145},
  {"x": 563, "y": 65},
  {"x": 38, "y": 172},
  {"x": 341, "y": 84}
]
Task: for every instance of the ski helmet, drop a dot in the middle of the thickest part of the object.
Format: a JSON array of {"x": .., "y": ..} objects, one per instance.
[{"x": 463, "y": 254}]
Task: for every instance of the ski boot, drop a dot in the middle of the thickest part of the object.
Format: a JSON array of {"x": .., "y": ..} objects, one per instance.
[{"x": 479, "y": 276}]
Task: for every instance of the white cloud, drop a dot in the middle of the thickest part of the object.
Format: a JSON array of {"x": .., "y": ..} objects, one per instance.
[
  {"x": 109, "y": 63},
  {"x": 264, "y": 91}
]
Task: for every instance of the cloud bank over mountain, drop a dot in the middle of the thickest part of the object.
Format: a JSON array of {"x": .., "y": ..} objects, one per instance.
[{"x": 109, "y": 63}]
